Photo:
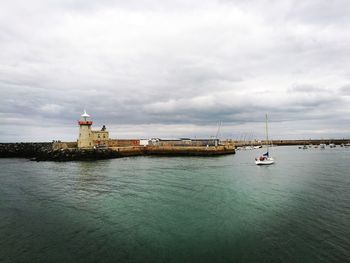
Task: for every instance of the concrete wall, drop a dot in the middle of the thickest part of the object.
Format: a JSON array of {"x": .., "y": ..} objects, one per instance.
[
  {"x": 123, "y": 143},
  {"x": 189, "y": 151},
  {"x": 109, "y": 143},
  {"x": 189, "y": 143}
]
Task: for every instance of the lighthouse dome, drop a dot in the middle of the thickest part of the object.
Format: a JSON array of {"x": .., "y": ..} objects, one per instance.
[{"x": 85, "y": 115}]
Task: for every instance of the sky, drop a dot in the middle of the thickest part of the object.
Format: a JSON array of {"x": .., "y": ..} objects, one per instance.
[{"x": 161, "y": 68}]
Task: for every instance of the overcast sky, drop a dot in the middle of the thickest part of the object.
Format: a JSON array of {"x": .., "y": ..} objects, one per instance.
[{"x": 174, "y": 68}]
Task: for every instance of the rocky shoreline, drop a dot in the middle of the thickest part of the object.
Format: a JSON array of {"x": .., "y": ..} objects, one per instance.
[{"x": 46, "y": 152}]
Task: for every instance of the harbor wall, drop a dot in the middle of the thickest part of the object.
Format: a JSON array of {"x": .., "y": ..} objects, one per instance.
[
  {"x": 291, "y": 142},
  {"x": 189, "y": 150},
  {"x": 68, "y": 151},
  {"x": 123, "y": 142},
  {"x": 189, "y": 143},
  {"x": 74, "y": 154},
  {"x": 77, "y": 154}
]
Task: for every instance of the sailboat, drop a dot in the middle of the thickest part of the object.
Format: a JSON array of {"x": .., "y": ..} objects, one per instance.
[{"x": 265, "y": 159}]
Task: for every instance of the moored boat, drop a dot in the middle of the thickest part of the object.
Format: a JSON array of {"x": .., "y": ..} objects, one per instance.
[{"x": 265, "y": 159}]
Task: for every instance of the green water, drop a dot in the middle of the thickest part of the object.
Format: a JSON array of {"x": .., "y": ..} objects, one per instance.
[{"x": 148, "y": 209}]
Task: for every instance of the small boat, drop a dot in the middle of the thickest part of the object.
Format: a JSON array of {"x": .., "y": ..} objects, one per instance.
[
  {"x": 322, "y": 146},
  {"x": 305, "y": 147},
  {"x": 265, "y": 159},
  {"x": 332, "y": 145},
  {"x": 258, "y": 147}
]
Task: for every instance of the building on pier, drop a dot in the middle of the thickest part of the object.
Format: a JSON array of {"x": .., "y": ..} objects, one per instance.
[{"x": 89, "y": 138}]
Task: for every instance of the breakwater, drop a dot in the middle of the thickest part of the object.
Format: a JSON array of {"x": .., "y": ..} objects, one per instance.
[
  {"x": 189, "y": 151},
  {"x": 291, "y": 142},
  {"x": 51, "y": 151},
  {"x": 25, "y": 149}
]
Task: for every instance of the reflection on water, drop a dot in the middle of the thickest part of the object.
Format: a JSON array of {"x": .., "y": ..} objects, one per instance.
[{"x": 146, "y": 209}]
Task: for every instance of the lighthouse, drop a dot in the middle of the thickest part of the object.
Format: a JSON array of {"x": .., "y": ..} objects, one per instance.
[{"x": 85, "y": 134}]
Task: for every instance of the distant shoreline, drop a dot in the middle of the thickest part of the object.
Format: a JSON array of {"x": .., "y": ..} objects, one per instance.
[
  {"x": 291, "y": 142},
  {"x": 46, "y": 151},
  {"x": 246, "y": 142}
]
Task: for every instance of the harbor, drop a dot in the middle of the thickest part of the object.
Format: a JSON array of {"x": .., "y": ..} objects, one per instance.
[
  {"x": 96, "y": 144},
  {"x": 212, "y": 209},
  {"x": 174, "y": 131}
]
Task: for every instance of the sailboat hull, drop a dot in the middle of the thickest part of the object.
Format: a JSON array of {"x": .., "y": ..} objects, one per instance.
[{"x": 265, "y": 162}]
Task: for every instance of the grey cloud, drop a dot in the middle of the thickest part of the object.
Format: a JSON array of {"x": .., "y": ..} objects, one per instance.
[
  {"x": 345, "y": 90},
  {"x": 163, "y": 64},
  {"x": 306, "y": 89}
]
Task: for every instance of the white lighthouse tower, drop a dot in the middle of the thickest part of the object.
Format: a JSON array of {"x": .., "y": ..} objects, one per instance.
[{"x": 85, "y": 134}]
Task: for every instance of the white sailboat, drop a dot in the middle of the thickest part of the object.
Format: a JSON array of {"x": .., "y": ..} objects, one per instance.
[{"x": 265, "y": 159}]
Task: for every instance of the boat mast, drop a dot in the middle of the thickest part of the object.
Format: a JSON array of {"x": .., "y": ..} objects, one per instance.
[
  {"x": 267, "y": 135},
  {"x": 218, "y": 131}
]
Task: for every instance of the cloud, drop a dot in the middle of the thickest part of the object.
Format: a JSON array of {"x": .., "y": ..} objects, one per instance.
[
  {"x": 166, "y": 64},
  {"x": 345, "y": 90}
]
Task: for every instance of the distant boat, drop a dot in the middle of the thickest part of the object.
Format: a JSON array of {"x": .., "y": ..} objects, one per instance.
[
  {"x": 332, "y": 145},
  {"x": 265, "y": 159},
  {"x": 258, "y": 147},
  {"x": 322, "y": 146}
]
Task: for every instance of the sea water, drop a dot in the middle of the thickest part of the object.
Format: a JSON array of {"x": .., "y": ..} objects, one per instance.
[{"x": 179, "y": 209}]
